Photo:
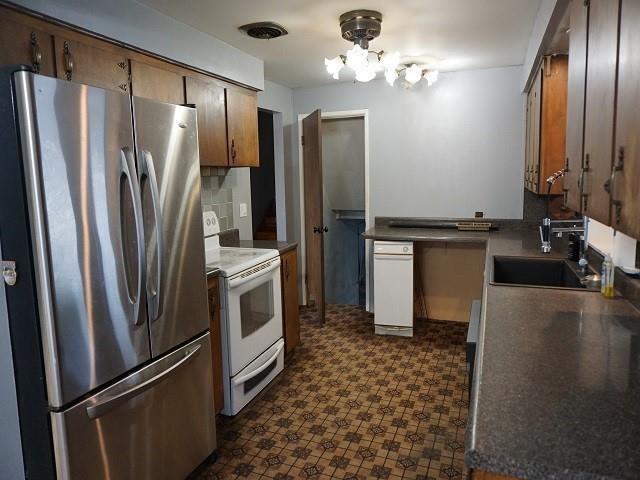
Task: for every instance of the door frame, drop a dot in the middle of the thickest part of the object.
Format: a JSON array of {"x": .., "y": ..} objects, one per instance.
[{"x": 368, "y": 220}]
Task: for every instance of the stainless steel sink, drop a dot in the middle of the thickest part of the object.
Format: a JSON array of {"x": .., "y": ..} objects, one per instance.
[{"x": 536, "y": 272}]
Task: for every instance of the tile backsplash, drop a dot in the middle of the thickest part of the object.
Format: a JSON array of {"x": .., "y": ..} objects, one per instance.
[{"x": 217, "y": 194}]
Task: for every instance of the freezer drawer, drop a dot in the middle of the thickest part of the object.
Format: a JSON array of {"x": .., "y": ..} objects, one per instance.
[{"x": 157, "y": 423}]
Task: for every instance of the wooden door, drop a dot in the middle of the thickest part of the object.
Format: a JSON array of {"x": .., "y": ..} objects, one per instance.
[
  {"x": 25, "y": 45},
  {"x": 242, "y": 124},
  {"x": 213, "y": 287},
  {"x": 88, "y": 63},
  {"x": 528, "y": 184},
  {"x": 576, "y": 81},
  {"x": 209, "y": 100},
  {"x": 600, "y": 106},
  {"x": 156, "y": 83},
  {"x": 291, "y": 320},
  {"x": 553, "y": 121},
  {"x": 313, "y": 212},
  {"x": 535, "y": 131},
  {"x": 625, "y": 188}
]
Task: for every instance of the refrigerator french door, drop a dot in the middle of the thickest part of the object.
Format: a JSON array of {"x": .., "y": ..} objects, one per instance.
[{"x": 117, "y": 258}]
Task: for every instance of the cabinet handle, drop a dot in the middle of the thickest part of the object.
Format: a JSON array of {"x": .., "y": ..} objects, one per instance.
[
  {"x": 233, "y": 150},
  {"x": 610, "y": 184},
  {"x": 36, "y": 53},
  {"x": 68, "y": 61}
]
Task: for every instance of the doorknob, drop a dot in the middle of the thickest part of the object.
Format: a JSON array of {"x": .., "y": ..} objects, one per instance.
[{"x": 320, "y": 229}]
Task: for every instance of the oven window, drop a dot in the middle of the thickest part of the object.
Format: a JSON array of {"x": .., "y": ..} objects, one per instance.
[{"x": 256, "y": 308}]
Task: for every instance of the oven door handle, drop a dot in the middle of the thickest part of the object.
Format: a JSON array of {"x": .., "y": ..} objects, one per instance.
[
  {"x": 253, "y": 273},
  {"x": 259, "y": 370}
]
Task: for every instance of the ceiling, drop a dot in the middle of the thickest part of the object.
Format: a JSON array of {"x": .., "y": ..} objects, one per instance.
[{"x": 443, "y": 34}]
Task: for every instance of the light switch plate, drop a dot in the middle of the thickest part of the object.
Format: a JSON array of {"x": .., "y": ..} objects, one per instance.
[{"x": 243, "y": 210}]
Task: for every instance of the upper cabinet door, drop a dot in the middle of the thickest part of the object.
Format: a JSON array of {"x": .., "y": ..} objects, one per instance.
[
  {"x": 24, "y": 45},
  {"x": 553, "y": 121},
  {"x": 600, "y": 106},
  {"x": 578, "y": 18},
  {"x": 242, "y": 124},
  {"x": 625, "y": 184},
  {"x": 536, "y": 107},
  {"x": 156, "y": 83},
  {"x": 209, "y": 99},
  {"x": 86, "y": 63}
]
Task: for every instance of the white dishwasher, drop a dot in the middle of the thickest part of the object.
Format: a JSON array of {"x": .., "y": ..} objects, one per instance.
[{"x": 393, "y": 288}]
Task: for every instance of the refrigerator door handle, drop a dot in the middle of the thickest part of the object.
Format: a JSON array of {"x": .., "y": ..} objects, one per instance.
[
  {"x": 99, "y": 409},
  {"x": 154, "y": 293},
  {"x": 125, "y": 169}
]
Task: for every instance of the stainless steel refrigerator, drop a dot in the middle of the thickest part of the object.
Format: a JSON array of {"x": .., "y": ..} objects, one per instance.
[{"x": 101, "y": 214}]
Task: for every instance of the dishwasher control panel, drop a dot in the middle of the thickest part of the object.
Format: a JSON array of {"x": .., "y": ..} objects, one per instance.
[{"x": 393, "y": 248}]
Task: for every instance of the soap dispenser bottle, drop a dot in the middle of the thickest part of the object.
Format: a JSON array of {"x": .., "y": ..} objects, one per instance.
[{"x": 607, "y": 277}]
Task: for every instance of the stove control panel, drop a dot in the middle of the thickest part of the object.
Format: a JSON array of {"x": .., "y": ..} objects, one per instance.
[{"x": 210, "y": 224}]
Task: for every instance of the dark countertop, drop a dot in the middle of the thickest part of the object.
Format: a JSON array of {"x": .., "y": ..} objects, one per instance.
[
  {"x": 281, "y": 246},
  {"x": 231, "y": 238},
  {"x": 556, "y": 390},
  {"x": 212, "y": 272}
]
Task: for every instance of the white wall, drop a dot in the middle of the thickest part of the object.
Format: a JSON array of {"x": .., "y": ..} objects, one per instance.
[
  {"x": 444, "y": 151},
  {"x": 135, "y": 24}
]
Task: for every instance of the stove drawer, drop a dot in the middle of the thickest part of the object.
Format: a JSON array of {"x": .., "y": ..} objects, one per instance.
[{"x": 240, "y": 389}]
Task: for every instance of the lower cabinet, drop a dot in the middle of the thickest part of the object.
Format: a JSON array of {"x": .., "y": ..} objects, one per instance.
[
  {"x": 290, "y": 317},
  {"x": 213, "y": 286}
]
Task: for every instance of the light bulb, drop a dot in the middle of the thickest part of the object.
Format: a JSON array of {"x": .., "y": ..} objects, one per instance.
[
  {"x": 357, "y": 58},
  {"x": 413, "y": 74},
  {"x": 391, "y": 76},
  {"x": 334, "y": 66},
  {"x": 390, "y": 61},
  {"x": 365, "y": 74},
  {"x": 431, "y": 76}
]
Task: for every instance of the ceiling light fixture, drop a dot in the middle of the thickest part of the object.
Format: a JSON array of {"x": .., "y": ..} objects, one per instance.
[{"x": 361, "y": 27}]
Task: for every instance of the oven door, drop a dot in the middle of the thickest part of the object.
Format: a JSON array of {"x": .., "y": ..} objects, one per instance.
[{"x": 254, "y": 317}]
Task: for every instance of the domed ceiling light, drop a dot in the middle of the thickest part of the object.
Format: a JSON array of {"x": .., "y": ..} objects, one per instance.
[{"x": 361, "y": 27}]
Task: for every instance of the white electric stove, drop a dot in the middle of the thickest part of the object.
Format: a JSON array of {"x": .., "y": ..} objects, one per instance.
[{"x": 251, "y": 316}]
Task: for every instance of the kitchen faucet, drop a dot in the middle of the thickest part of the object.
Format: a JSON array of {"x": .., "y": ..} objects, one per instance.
[{"x": 574, "y": 226}]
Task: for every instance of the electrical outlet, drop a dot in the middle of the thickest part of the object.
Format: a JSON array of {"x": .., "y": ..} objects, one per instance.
[{"x": 243, "y": 210}]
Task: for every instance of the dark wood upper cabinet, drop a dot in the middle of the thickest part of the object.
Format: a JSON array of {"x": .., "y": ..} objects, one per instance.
[
  {"x": 25, "y": 44},
  {"x": 625, "y": 187},
  {"x": 290, "y": 315},
  {"x": 553, "y": 121},
  {"x": 86, "y": 62},
  {"x": 209, "y": 100},
  {"x": 242, "y": 128},
  {"x": 577, "y": 70},
  {"x": 546, "y": 123},
  {"x": 156, "y": 83},
  {"x": 600, "y": 106}
]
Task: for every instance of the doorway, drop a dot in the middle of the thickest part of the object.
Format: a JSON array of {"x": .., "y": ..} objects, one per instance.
[
  {"x": 343, "y": 182},
  {"x": 346, "y": 215},
  {"x": 263, "y": 182}
]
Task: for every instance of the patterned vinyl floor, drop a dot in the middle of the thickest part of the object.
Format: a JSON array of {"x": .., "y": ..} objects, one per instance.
[{"x": 354, "y": 405}]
